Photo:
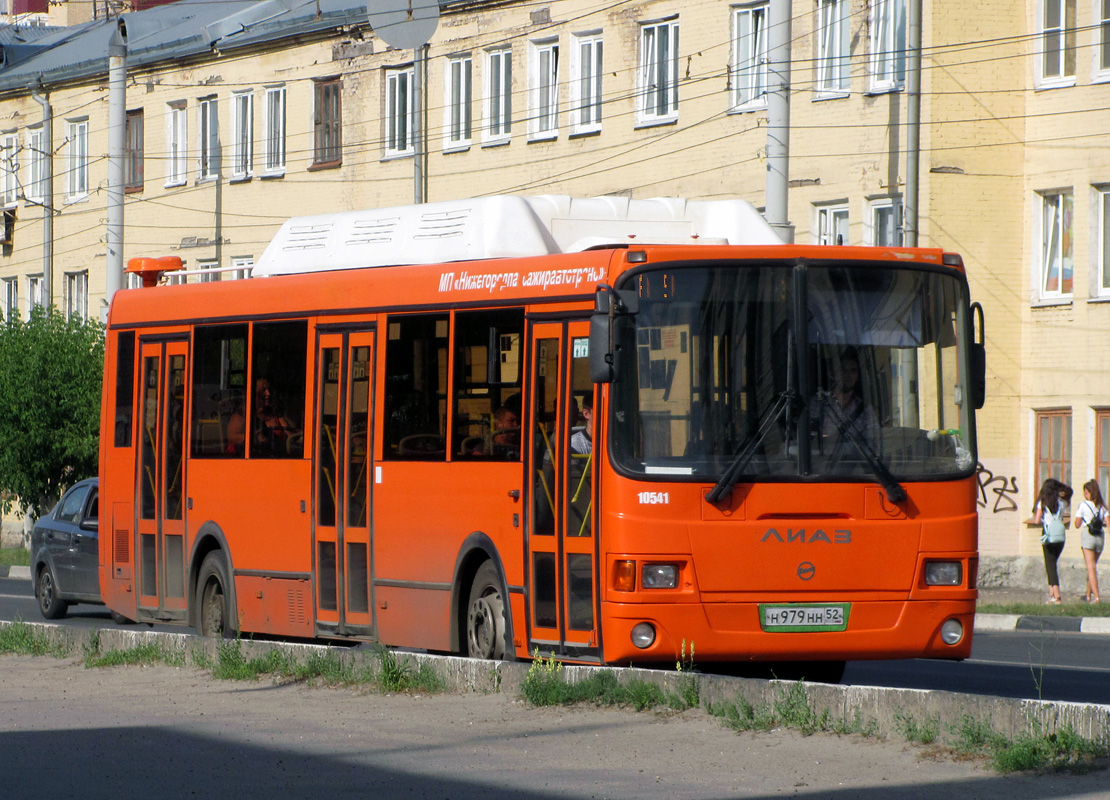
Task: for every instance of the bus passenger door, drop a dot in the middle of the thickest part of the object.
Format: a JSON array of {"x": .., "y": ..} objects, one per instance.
[
  {"x": 344, "y": 476},
  {"x": 161, "y": 482},
  {"x": 562, "y": 542}
]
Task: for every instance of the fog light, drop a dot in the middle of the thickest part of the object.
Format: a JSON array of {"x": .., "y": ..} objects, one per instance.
[
  {"x": 660, "y": 576},
  {"x": 943, "y": 573},
  {"x": 952, "y": 631},
  {"x": 643, "y": 635},
  {"x": 624, "y": 580}
]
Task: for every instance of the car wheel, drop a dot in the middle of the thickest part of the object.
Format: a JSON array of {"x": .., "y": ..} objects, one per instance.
[
  {"x": 214, "y": 615},
  {"x": 485, "y": 615},
  {"x": 120, "y": 619},
  {"x": 46, "y": 592}
]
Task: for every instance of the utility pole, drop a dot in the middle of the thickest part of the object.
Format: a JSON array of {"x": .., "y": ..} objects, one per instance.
[
  {"x": 117, "y": 120},
  {"x": 913, "y": 124},
  {"x": 778, "y": 118},
  {"x": 47, "y": 196}
]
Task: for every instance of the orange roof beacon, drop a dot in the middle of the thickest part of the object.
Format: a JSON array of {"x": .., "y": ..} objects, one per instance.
[{"x": 596, "y": 429}]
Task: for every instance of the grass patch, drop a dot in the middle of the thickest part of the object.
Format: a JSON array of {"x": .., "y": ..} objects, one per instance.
[
  {"x": 546, "y": 685},
  {"x": 19, "y": 638},
  {"x": 791, "y": 708},
  {"x": 15, "y": 557},
  {"x": 924, "y": 732},
  {"x": 1069, "y": 609}
]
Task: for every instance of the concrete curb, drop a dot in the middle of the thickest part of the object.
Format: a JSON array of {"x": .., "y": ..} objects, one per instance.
[
  {"x": 15, "y": 572},
  {"x": 884, "y": 708},
  {"x": 1012, "y": 622}
]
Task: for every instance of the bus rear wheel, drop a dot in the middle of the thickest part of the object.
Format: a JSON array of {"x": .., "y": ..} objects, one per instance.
[
  {"x": 213, "y": 615},
  {"x": 485, "y": 615}
]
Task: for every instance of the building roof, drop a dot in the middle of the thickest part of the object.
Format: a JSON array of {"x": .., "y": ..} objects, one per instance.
[{"x": 164, "y": 33}]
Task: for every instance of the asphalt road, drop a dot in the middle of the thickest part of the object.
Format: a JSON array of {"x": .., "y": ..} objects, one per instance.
[{"x": 1026, "y": 664}]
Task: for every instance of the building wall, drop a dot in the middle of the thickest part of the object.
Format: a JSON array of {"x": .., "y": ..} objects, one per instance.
[{"x": 990, "y": 141}]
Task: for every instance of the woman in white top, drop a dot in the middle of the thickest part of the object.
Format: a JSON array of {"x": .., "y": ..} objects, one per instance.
[{"x": 1094, "y": 536}]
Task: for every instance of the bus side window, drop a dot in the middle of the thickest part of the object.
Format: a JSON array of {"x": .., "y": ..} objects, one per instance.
[
  {"x": 125, "y": 388},
  {"x": 219, "y": 390},
  {"x": 416, "y": 388},
  {"x": 279, "y": 350},
  {"x": 487, "y": 384}
]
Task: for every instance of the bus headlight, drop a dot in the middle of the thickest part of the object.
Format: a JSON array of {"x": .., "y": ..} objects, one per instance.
[
  {"x": 643, "y": 635},
  {"x": 659, "y": 576},
  {"x": 952, "y": 631},
  {"x": 943, "y": 573}
]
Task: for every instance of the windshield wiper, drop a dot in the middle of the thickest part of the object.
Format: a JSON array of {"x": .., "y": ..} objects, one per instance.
[
  {"x": 846, "y": 427},
  {"x": 731, "y": 477}
]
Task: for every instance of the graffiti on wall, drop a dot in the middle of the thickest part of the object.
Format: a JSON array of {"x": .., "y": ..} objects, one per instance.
[{"x": 1003, "y": 488}]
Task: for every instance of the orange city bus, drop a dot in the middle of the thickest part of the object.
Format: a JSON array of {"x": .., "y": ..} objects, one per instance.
[{"x": 592, "y": 429}]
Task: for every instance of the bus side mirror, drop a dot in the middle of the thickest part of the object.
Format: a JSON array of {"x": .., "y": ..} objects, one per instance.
[
  {"x": 610, "y": 305},
  {"x": 978, "y": 374}
]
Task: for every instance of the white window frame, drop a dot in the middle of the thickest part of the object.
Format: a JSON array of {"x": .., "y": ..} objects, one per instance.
[
  {"x": 749, "y": 56},
  {"x": 586, "y": 75},
  {"x": 75, "y": 294},
  {"x": 241, "y": 267},
  {"x": 1101, "y": 66},
  {"x": 833, "y": 48},
  {"x": 400, "y": 112},
  {"x": 208, "y": 277},
  {"x": 273, "y": 144},
  {"x": 77, "y": 159},
  {"x": 1100, "y": 284},
  {"x": 9, "y": 169},
  {"x": 497, "y": 120},
  {"x": 177, "y": 144},
  {"x": 657, "y": 75},
  {"x": 242, "y": 135},
  {"x": 543, "y": 89},
  {"x": 1056, "y": 210},
  {"x": 887, "y": 57},
  {"x": 877, "y": 207},
  {"x": 1056, "y": 43},
  {"x": 208, "y": 138},
  {"x": 458, "y": 98},
  {"x": 34, "y": 293},
  {"x": 35, "y": 188},
  {"x": 832, "y": 219},
  {"x": 11, "y": 299}
]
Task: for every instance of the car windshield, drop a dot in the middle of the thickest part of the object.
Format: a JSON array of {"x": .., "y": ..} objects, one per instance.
[{"x": 782, "y": 370}]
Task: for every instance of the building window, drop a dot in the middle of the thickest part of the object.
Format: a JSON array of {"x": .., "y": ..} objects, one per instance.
[
  {"x": 832, "y": 225},
  {"x": 458, "y": 102},
  {"x": 585, "y": 82},
  {"x": 399, "y": 112},
  {"x": 275, "y": 131},
  {"x": 1101, "y": 286},
  {"x": 208, "y": 270},
  {"x": 1053, "y": 447},
  {"x": 888, "y": 45},
  {"x": 327, "y": 149},
  {"x": 749, "y": 47},
  {"x": 885, "y": 217},
  {"x": 176, "y": 144},
  {"x": 241, "y": 267},
  {"x": 1056, "y": 244},
  {"x": 77, "y": 159},
  {"x": 34, "y": 293},
  {"x": 1058, "y": 41},
  {"x": 543, "y": 122},
  {"x": 1104, "y": 44},
  {"x": 242, "y": 135},
  {"x": 11, "y": 299},
  {"x": 9, "y": 169},
  {"x": 208, "y": 139},
  {"x": 833, "y": 47},
  {"x": 133, "y": 151},
  {"x": 1102, "y": 450},
  {"x": 76, "y": 294},
  {"x": 36, "y": 167},
  {"x": 499, "y": 93},
  {"x": 658, "y": 73}
]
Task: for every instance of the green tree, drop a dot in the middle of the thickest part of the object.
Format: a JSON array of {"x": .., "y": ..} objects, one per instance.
[{"x": 50, "y": 375}]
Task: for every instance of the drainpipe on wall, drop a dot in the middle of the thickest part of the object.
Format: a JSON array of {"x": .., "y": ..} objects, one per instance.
[{"x": 47, "y": 197}]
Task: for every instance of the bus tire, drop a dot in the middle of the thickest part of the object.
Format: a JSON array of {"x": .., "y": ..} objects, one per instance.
[
  {"x": 485, "y": 615},
  {"x": 214, "y": 616},
  {"x": 120, "y": 619},
  {"x": 46, "y": 592}
]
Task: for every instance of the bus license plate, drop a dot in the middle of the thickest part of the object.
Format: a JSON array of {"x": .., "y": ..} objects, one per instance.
[{"x": 804, "y": 617}]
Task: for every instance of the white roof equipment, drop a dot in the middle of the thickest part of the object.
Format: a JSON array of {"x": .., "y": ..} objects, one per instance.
[{"x": 503, "y": 226}]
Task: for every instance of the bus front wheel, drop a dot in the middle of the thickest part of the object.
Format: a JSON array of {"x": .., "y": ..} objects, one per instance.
[
  {"x": 485, "y": 615},
  {"x": 213, "y": 614}
]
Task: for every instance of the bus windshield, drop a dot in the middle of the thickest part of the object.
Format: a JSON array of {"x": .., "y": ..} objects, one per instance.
[{"x": 780, "y": 371}]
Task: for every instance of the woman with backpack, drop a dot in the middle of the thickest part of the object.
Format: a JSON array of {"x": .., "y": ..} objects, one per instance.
[
  {"x": 1093, "y": 517},
  {"x": 1049, "y": 514}
]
